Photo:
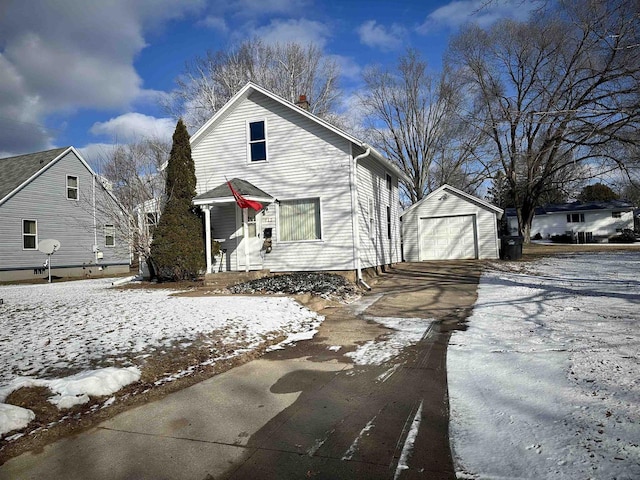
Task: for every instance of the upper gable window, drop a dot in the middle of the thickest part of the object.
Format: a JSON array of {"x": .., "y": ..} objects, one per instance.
[
  {"x": 72, "y": 187},
  {"x": 257, "y": 141}
]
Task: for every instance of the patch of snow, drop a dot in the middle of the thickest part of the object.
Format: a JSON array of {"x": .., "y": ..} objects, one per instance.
[
  {"x": 334, "y": 348},
  {"x": 14, "y": 418},
  {"x": 405, "y": 332},
  {"x": 545, "y": 384},
  {"x": 80, "y": 325},
  {"x": 407, "y": 449},
  {"x": 353, "y": 448}
]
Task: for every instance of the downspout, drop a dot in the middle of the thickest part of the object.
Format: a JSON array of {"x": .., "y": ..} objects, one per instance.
[
  {"x": 354, "y": 216},
  {"x": 95, "y": 227}
]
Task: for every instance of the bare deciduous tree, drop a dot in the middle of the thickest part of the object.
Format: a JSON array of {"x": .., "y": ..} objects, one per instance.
[
  {"x": 288, "y": 70},
  {"x": 413, "y": 117},
  {"x": 556, "y": 96},
  {"x": 134, "y": 173}
]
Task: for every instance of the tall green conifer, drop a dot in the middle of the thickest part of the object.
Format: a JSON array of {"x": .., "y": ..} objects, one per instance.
[{"x": 178, "y": 247}]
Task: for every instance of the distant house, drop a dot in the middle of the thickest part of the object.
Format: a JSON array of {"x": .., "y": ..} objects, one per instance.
[
  {"x": 449, "y": 224},
  {"x": 589, "y": 222},
  {"x": 330, "y": 201},
  {"x": 56, "y": 195}
]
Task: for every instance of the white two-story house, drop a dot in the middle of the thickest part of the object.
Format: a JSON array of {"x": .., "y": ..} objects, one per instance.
[{"x": 329, "y": 201}]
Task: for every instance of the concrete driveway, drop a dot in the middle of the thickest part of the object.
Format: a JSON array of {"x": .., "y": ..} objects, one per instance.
[{"x": 303, "y": 412}]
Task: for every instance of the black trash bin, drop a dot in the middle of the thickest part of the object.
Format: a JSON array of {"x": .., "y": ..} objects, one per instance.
[{"x": 511, "y": 247}]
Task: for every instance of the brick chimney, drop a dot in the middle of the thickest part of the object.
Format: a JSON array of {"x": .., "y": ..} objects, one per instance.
[{"x": 303, "y": 103}]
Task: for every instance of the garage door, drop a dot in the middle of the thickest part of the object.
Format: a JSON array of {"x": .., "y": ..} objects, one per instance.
[{"x": 447, "y": 238}]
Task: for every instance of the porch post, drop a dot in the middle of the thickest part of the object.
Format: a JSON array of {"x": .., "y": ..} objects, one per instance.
[
  {"x": 207, "y": 234},
  {"x": 245, "y": 226}
]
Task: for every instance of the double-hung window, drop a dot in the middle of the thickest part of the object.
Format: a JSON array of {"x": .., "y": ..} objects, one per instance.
[
  {"x": 575, "y": 217},
  {"x": 299, "y": 220},
  {"x": 257, "y": 141},
  {"x": 29, "y": 234},
  {"x": 109, "y": 236},
  {"x": 616, "y": 214},
  {"x": 72, "y": 187}
]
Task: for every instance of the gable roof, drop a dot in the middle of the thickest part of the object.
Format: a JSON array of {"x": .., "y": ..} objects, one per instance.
[
  {"x": 250, "y": 88},
  {"x": 578, "y": 206},
  {"x": 14, "y": 171},
  {"x": 460, "y": 193},
  {"x": 17, "y": 172}
]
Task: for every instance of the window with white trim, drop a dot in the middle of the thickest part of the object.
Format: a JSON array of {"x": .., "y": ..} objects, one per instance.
[
  {"x": 72, "y": 187},
  {"x": 109, "y": 236},
  {"x": 389, "y": 182},
  {"x": 616, "y": 214},
  {"x": 389, "y": 222},
  {"x": 575, "y": 217},
  {"x": 299, "y": 220},
  {"x": 29, "y": 235},
  {"x": 257, "y": 141}
]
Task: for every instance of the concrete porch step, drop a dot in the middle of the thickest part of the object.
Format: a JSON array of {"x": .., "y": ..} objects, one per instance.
[{"x": 225, "y": 279}]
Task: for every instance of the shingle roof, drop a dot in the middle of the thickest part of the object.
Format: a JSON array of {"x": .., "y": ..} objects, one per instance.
[
  {"x": 14, "y": 171},
  {"x": 243, "y": 187},
  {"x": 578, "y": 207}
]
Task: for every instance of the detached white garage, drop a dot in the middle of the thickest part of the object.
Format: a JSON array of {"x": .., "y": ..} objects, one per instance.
[{"x": 450, "y": 224}]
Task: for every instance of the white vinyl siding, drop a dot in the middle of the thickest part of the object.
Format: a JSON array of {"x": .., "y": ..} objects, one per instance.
[
  {"x": 376, "y": 248},
  {"x": 305, "y": 160},
  {"x": 299, "y": 220},
  {"x": 72, "y": 187},
  {"x": 29, "y": 234}
]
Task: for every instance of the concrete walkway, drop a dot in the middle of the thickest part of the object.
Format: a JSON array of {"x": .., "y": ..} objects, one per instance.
[{"x": 303, "y": 412}]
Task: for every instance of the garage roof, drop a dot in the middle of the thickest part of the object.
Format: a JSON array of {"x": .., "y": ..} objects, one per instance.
[{"x": 448, "y": 188}]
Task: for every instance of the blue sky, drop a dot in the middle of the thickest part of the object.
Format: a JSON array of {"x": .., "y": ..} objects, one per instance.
[{"x": 89, "y": 73}]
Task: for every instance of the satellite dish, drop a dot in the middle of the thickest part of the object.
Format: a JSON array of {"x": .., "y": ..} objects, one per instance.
[{"x": 48, "y": 246}]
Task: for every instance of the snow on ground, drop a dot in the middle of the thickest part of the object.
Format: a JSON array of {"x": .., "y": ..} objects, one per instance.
[
  {"x": 545, "y": 383},
  {"x": 405, "y": 332},
  {"x": 55, "y": 330}
]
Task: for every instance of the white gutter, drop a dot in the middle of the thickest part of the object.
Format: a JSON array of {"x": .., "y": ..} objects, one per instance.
[{"x": 354, "y": 215}]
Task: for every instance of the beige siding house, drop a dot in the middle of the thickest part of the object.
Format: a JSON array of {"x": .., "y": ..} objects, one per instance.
[
  {"x": 55, "y": 195},
  {"x": 330, "y": 201},
  {"x": 449, "y": 224}
]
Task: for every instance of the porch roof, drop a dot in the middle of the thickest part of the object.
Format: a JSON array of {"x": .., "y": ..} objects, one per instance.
[{"x": 222, "y": 193}]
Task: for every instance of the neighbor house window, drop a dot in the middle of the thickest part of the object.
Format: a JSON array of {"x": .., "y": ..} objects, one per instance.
[
  {"x": 257, "y": 141},
  {"x": 575, "y": 217},
  {"x": 299, "y": 219},
  {"x": 72, "y": 187},
  {"x": 109, "y": 236},
  {"x": 616, "y": 214},
  {"x": 29, "y": 234}
]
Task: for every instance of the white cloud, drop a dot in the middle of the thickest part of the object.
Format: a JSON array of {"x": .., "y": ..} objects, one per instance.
[
  {"x": 349, "y": 68},
  {"x": 134, "y": 126},
  {"x": 377, "y": 36},
  {"x": 457, "y": 13},
  {"x": 214, "y": 23},
  {"x": 300, "y": 31},
  {"x": 56, "y": 57}
]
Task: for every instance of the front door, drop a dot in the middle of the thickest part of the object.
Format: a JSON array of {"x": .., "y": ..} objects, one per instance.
[{"x": 251, "y": 243}]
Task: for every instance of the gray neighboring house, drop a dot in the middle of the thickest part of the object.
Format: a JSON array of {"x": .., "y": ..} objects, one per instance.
[{"x": 56, "y": 195}]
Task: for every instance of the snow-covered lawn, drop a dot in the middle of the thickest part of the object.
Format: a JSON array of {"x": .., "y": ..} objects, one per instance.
[
  {"x": 92, "y": 334},
  {"x": 545, "y": 383}
]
